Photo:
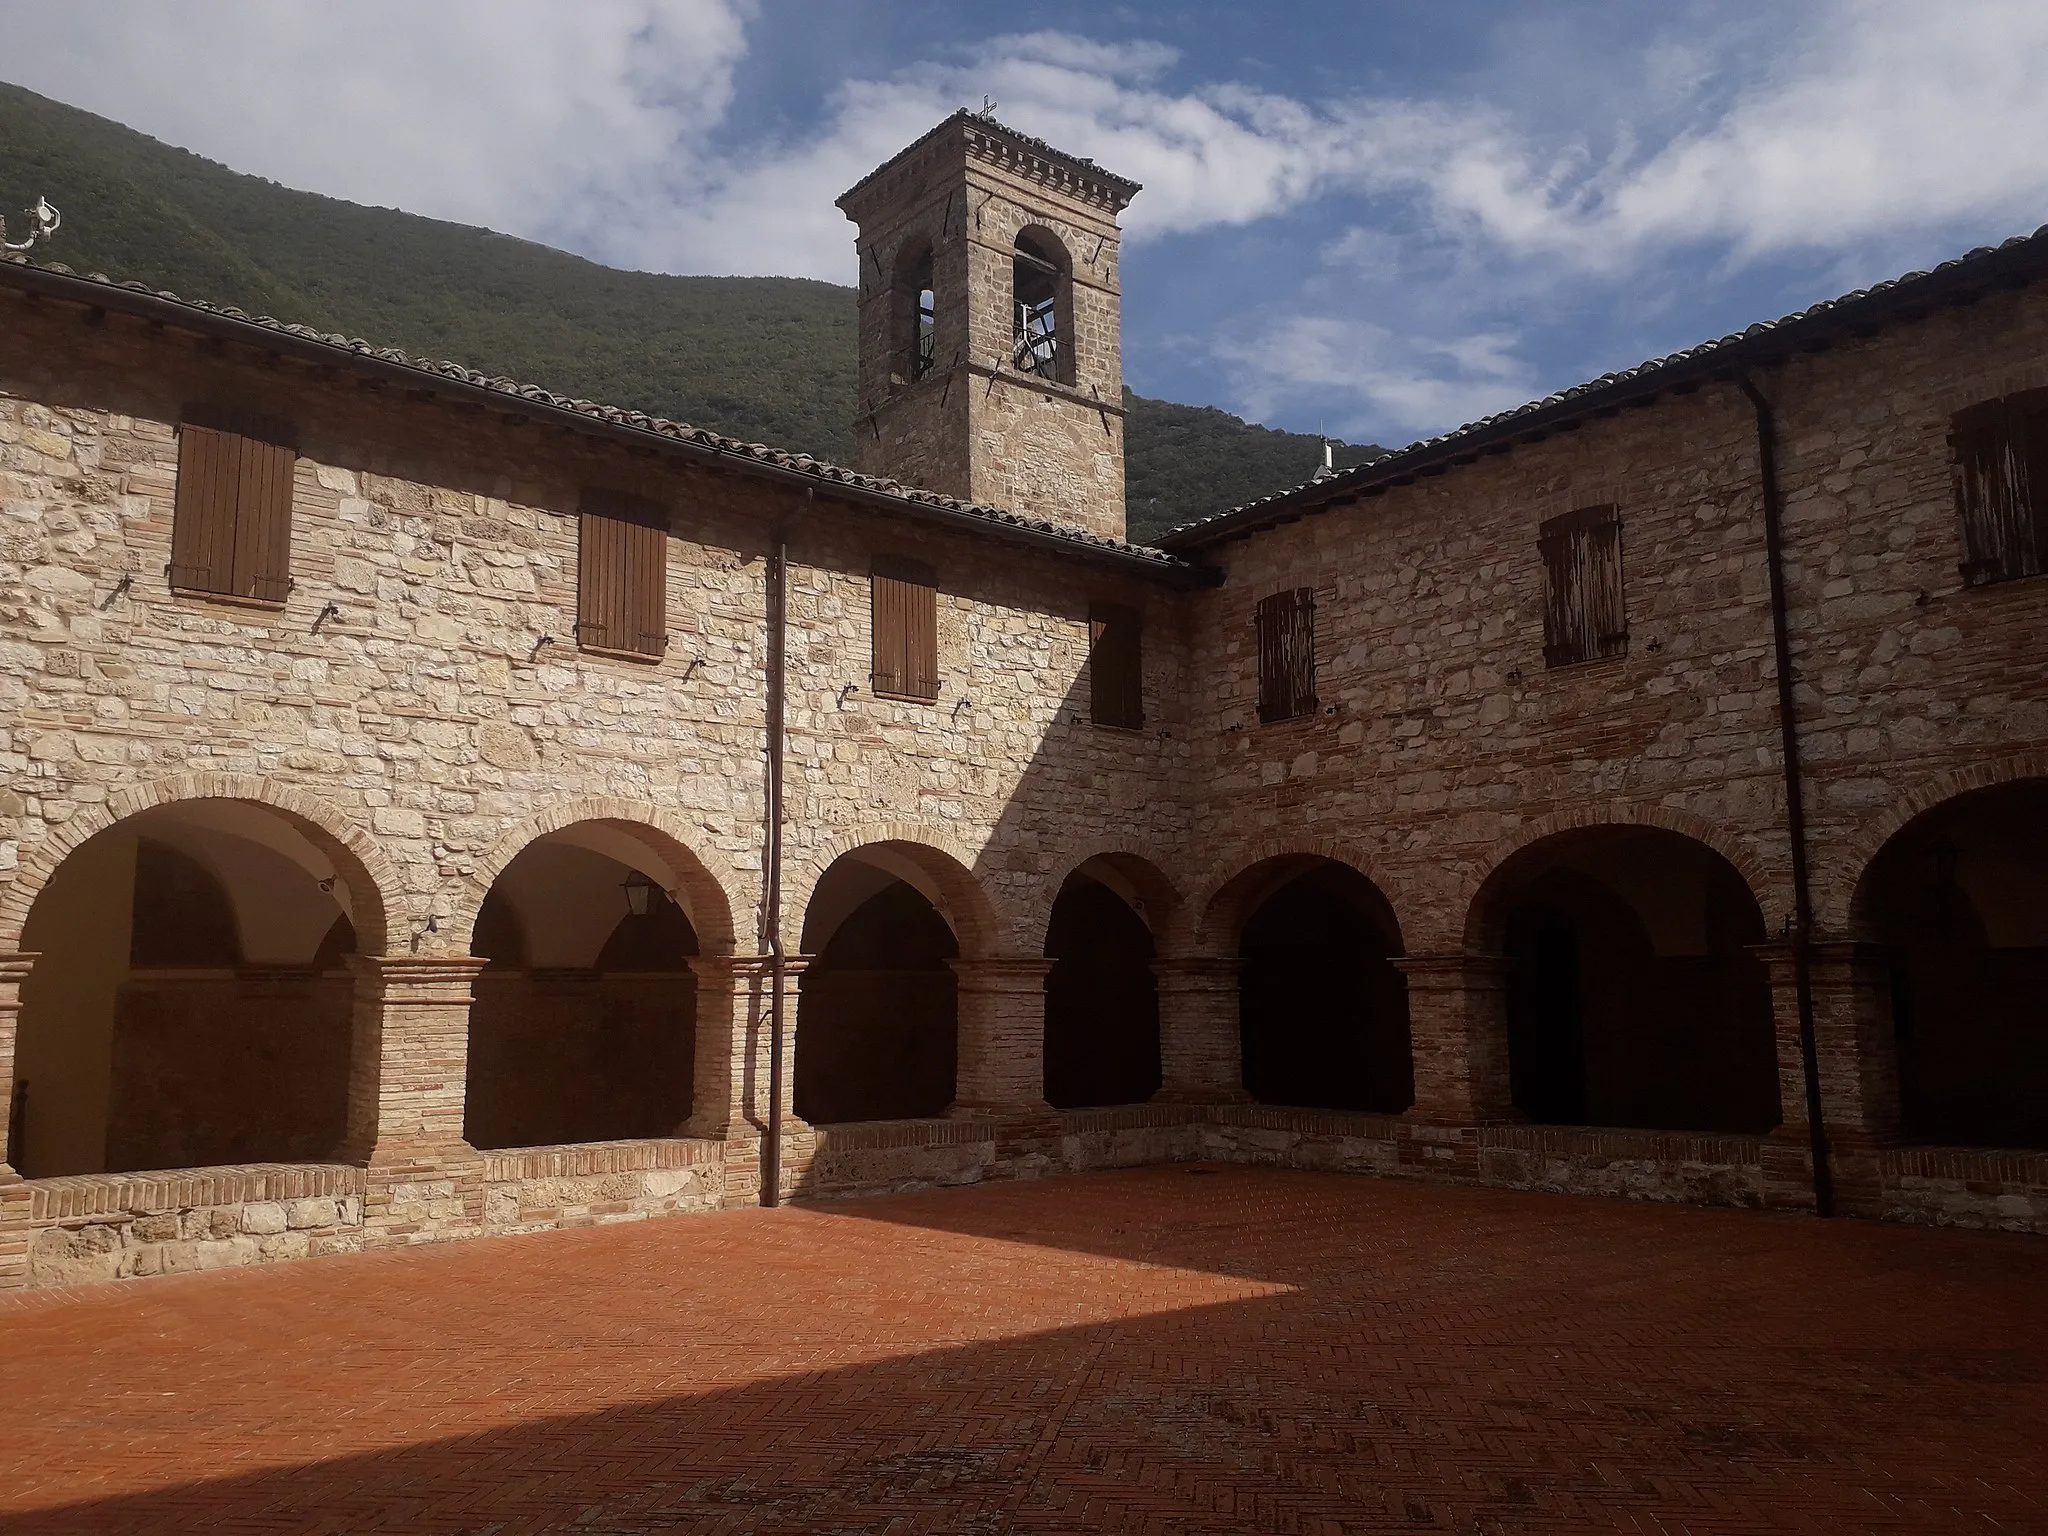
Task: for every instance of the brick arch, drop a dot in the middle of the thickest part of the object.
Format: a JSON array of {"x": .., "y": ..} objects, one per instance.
[
  {"x": 1839, "y": 883},
  {"x": 1166, "y": 907},
  {"x": 1226, "y": 894},
  {"x": 1480, "y": 881},
  {"x": 970, "y": 910},
  {"x": 705, "y": 878},
  {"x": 377, "y": 893}
]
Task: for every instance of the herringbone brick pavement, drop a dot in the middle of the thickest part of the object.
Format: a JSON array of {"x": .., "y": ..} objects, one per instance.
[{"x": 1161, "y": 1350}]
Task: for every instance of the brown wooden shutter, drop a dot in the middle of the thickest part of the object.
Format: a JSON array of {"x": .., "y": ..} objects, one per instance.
[
  {"x": 1116, "y": 665},
  {"x": 622, "y": 574},
  {"x": 1286, "y": 624},
  {"x": 906, "y": 628},
  {"x": 231, "y": 533},
  {"x": 2000, "y": 451},
  {"x": 1585, "y": 616}
]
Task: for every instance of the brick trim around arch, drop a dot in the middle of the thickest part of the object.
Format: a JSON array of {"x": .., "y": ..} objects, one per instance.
[{"x": 384, "y": 901}]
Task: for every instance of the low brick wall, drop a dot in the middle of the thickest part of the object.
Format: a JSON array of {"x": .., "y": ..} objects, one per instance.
[
  {"x": 90, "y": 1228},
  {"x": 118, "y": 1226}
]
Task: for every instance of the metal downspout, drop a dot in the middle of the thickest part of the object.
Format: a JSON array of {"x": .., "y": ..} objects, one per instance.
[
  {"x": 771, "y": 905},
  {"x": 1795, "y": 806}
]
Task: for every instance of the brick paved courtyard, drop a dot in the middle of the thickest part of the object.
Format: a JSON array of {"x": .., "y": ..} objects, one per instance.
[{"x": 1167, "y": 1349}]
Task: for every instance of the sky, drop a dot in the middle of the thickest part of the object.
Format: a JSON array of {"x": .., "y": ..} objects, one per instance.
[{"x": 1380, "y": 219}]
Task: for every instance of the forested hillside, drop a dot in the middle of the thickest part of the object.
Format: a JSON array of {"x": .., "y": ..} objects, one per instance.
[{"x": 769, "y": 359}]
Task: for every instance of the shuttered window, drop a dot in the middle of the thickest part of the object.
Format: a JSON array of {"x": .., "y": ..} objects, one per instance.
[
  {"x": 1287, "y": 654},
  {"x": 2001, "y": 480},
  {"x": 1583, "y": 615},
  {"x": 622, "y": 575},
  {"x": 906, "y": 622},
  {"x": 1116, "y": 666},
  {"x": 231, "y": 534}
]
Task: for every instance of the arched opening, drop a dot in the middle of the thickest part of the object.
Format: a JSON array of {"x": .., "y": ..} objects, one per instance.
[
  {"x": 877, "y": 1033},
  {"x": 1042, "y": 287},
  {"x": 916, "y": 311},
  {"x": 584, "y": 1025},
  {"x": 1101, "y": 998},
  {"x": 1959, "y": 896},
  {"x": 1322, "y": 1010},
  {"x": 191, "y": 1005},
  {"x": 1633, "y": 996}
]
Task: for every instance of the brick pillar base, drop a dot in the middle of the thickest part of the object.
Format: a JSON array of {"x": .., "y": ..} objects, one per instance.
[
  {"x": 729, "y": 1103},
  {"x": 408, "y": 1070},
  {"x": 1457, "y": 1021},
  {"x": 1201, "y": 1054},
  {"x": 1002, "y": 1039},
  {"x": 1859, "y": 1073}
]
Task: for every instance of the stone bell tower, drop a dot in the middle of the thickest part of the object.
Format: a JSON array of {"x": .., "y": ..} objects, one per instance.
[{"x": 991, "y": 329}]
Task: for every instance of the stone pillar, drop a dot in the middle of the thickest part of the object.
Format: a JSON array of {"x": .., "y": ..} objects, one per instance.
[
  {"x": 1201, "y": 1055},
  {"x": 1002, "y": 1037},
  {"x": 1857, "y": 1051},
  {"x": 1458, "y": 1023},
  {"x": 408, "y": 1069},
  {"x": 14, "y": 969},
  {"x": 735, "y": 995},
  {"x": 729, "y": 1095}
]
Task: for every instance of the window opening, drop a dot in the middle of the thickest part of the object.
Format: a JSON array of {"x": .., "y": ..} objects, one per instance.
[
  {"x": 1287, "y": 654},
  {"x": 1036, "y": 284},
  {"x": 2001, "y": 482},
  {"x": 1584, "y": 617},
  {"x": 1116, "y": 666},
  {"x": 906, "y": 629},
  {"x": 231, "y": 531},
  {"x": 622, "y": 575}
]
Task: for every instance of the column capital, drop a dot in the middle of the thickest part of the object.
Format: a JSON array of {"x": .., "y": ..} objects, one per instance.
[
  {"x": 418, "y": 978},
  {"x": 1186, "y": 972},
  {"x": 1461, "y": 971},
  {"x": 748, "y": 968},
  {"x": 1824, "y": 952},
  {"x": 15, "y": 966},
  {"x": 1002, "y": 973}
]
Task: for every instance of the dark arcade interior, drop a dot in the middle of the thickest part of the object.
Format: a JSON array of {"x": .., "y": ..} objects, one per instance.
[
  {"x": 1959, "y": 898},
  {"x": 1323, "y": 1012},
  {"x": 1633, "y": 996},
  {"x": 592, "y": 1043},
  {"x": 1101, "y": 1001},
  {"x": 877, "y": 1031}
]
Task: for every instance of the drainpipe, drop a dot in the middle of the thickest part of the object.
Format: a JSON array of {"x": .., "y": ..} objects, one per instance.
[
  {"x": 1795, "y": 807},
  {"x": 771, "y": 905}
]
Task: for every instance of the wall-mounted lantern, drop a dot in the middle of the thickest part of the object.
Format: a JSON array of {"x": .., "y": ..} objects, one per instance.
[{"x": 639, "y": 893}]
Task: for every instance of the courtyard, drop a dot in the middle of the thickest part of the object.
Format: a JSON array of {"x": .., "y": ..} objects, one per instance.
[{"x": 1179, "y": 1348}]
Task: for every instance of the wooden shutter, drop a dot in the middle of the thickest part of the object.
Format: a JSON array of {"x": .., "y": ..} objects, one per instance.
[
  {"x": 1286, "y": 624},
  {"x": 622, "y": 575},
  {"x": 1584, "y": 615},
  {"x": 231, "y": 533},
  {"x": 2000, "y": 451},
  {"x": 1116, "y": 666},
  {"x": 906, "y": 625}
]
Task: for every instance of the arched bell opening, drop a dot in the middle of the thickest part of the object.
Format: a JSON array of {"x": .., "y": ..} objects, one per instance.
[
  {"x": 1322, "y": 1010},
  {"x": 1101, "y": 997},
  {"x": 877, "y": 1034},
  {"x": 1634, "y": 997},
  {"x": 1959, "y": 897},
  {"x": 584, "y": 1021},
  {"x": 191, "y": 1004}
]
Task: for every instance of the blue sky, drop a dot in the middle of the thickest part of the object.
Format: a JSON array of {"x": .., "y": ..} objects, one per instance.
[{"x": 1385, "y": 218}]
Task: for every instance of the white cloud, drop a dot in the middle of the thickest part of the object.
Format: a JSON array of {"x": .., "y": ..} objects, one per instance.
[{"x": 1570, "y": 159}]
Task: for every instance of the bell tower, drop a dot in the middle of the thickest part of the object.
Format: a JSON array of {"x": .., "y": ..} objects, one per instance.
[{"x": 991, "y": 327}]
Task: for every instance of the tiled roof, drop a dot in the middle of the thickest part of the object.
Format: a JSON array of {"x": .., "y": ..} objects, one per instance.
[
  {"x": 2018, "y": 261},
  {"x": 97, "y": 289}
]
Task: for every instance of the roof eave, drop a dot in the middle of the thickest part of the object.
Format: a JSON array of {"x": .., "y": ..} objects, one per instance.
[
  {"x": 90, "y": 294},
  {"x": 2016, "y": 264}
]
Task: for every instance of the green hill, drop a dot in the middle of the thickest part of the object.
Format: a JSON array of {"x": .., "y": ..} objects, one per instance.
[{"x": 768, "y": 359}]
